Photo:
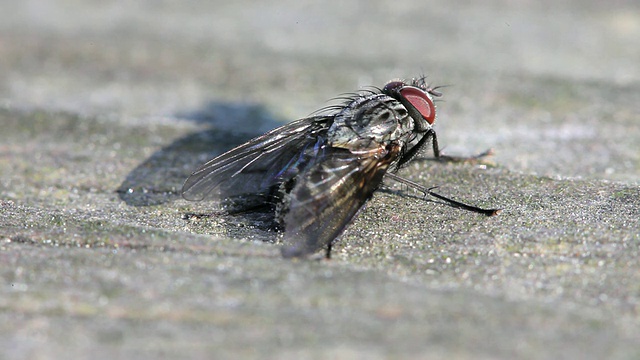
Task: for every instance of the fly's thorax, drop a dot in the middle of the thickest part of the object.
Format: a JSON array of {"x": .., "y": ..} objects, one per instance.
[{"x": 371, "y": 121}]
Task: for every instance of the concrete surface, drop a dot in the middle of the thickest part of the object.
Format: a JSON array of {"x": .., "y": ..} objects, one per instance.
[{"x": 106, "y": 107}]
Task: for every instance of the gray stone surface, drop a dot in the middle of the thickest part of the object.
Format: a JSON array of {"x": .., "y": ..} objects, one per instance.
[{"x": 105, "y": 108}]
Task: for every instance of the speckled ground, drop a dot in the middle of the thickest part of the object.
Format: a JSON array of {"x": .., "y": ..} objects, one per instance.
[{"x": 105, "y": 109}]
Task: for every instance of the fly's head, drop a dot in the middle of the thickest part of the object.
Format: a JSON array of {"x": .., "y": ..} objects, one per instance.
[
  {"x": 417, "y": 97},
  {"x": 402, "y": 113}
]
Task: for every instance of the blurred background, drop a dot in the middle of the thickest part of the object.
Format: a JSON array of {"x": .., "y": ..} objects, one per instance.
[{"x": 552, "y": 86}]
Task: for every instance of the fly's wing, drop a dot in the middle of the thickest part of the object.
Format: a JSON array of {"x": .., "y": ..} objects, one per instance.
[
  {"x": 257, "y": 165},
  {"x": 329, "y": 194}
]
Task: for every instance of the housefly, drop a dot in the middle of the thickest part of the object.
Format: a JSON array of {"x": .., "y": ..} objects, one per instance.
[{"x": 316, "y": 173}]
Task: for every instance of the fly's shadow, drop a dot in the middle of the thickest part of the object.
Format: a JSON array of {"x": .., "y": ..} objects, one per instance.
[{"x": 159, "y": 178}]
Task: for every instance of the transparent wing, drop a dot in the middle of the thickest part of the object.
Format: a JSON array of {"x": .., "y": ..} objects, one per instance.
[
  {"x": 256, "y": 165},
  {"x": 328, "y": 195}
]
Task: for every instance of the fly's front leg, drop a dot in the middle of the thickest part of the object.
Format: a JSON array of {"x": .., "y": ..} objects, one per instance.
[
  {"x": 434, "y": 142},
  {"x": 479, "y": 158}
]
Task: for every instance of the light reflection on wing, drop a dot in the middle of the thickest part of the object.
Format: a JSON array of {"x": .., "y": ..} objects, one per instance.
[
  {"x": 252, "y": 168},
  {"x": 328, "y": 195}
]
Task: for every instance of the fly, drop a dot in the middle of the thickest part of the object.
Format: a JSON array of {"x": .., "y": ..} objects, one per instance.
[{"x": 315, "y": 174}]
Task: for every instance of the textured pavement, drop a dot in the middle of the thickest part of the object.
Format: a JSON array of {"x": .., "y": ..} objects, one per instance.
[{"x": 106, "y": 108}]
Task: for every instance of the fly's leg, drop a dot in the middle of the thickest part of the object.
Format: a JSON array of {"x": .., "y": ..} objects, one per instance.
[
  {"x": 438, "y": 156},
  {"x": 451, "y": 202},
  {"x": 328, "y": 254}
]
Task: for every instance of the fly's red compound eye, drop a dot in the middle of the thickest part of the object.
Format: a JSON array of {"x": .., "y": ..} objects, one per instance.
[{"x": 421, "y": 101}]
